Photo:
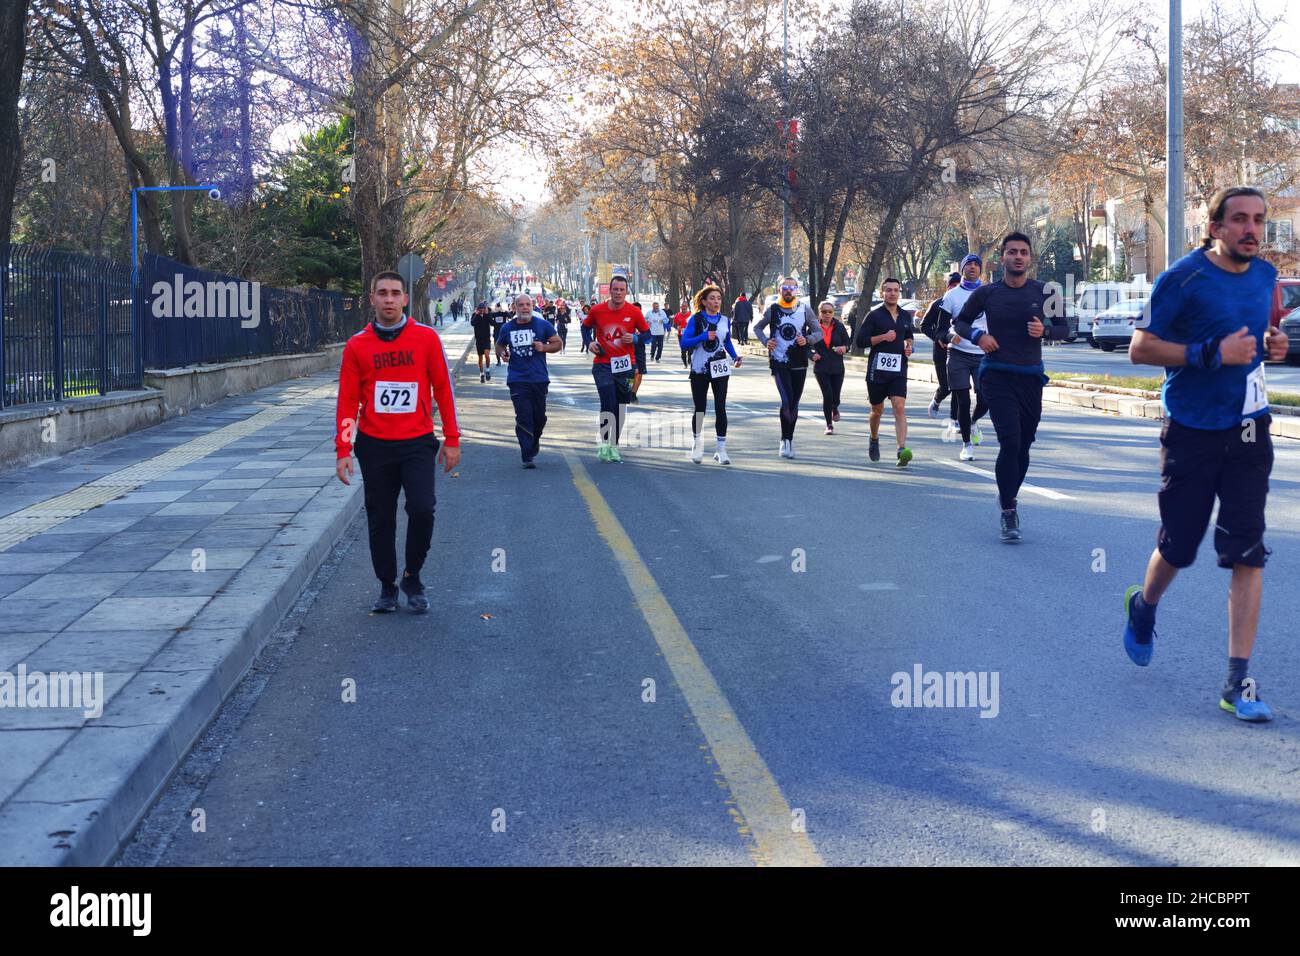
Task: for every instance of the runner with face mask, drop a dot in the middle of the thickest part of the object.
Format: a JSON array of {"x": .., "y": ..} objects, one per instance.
[{"x": 789, "y": 325}]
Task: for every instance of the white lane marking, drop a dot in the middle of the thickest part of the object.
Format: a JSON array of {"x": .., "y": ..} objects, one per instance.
[{"x": 1045, "y": 492}]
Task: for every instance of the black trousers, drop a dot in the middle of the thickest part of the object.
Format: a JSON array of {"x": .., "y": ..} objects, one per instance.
[
  {"x": 530, "y": 415},
  {"x": 656, "y": 347},
  {"x": 389, "y": 467},
  {"x": 1015, "y": 404},
  {"x": 962, "y": 413},
  {"x": 940, "y": 355},
  {"x": 830, "y": 385},
  {"x": 700, "y": 384}
]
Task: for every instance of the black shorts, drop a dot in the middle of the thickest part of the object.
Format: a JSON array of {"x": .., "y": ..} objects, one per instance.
[
  {"x": 640, "y": 357},
  {"x": 877, "y": 392},
  {"x": 484, "y": 346},
  {"x": 1196, "y": 466}
]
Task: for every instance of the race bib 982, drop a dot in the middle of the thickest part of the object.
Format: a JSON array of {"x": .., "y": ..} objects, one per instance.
[
  {"x": 889, "y": 362},
  {"x": 394, "y": 397}
]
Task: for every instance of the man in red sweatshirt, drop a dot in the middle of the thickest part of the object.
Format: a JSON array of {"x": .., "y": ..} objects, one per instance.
[{"x": 393, "y": 370}]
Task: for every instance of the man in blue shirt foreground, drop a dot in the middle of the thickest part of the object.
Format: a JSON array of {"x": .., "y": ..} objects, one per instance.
[{"x": 1209, "y": 327}]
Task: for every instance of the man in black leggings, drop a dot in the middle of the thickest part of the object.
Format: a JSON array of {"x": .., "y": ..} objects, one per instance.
[
  {"x": 930, "y": 328},
  {"x": 1019, "y": 314},
  {"x": 964, "y": 359}
]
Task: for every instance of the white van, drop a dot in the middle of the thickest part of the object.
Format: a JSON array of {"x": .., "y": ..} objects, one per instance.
[{"x": 1096, "y": 297}]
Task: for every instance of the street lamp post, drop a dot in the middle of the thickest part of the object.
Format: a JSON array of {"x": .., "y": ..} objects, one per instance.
[
  {"x": 137, "y": 325},
  {"x": 785, "y": 122},
  {"x": 1174, "y": 138}
]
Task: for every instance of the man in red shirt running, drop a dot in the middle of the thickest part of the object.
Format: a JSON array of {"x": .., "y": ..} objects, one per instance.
[
  {"x": 679, "y": 323},
  {"x": 390, "y": 371},
  {"x": 615, "y": 325}
]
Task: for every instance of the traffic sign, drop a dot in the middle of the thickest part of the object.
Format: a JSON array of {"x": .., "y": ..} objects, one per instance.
[{"x": 410, "y": 267}]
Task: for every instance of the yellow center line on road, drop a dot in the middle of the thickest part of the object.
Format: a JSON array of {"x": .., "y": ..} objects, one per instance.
[{"x": 764, "y": 814}]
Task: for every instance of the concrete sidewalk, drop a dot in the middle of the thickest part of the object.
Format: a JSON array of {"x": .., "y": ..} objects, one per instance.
[{"x": 155, "y": 565}]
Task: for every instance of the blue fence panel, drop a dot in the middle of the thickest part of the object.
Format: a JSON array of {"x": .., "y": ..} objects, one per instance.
[
  {"x": 195, "y": 316},
  {"x": 66, "y": 329},
  {"x": 69, "y": 328}
]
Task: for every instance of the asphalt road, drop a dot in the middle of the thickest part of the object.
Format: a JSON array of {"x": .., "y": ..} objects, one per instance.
[{"x": 522, "y": 699}]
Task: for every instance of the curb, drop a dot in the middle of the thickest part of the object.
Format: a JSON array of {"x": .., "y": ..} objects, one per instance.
[
  {"x": 120, "y": 764},
  {"x": 1128, "y": 402},
  {"x": 83, "y": 806}
]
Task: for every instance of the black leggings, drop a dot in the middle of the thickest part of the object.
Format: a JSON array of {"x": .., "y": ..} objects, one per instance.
[
  {"x": 940, "y": 356},
  {"x": 962, "y": 412},
  {"x": 830, "y": 384},
  {"x": 1015, "y": 405},
  {"x": 700, "y": 383},
  {"x": 789, "y": 385}
]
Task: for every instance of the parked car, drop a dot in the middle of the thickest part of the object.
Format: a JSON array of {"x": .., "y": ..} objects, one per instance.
[
  {"x": 1286, "y": 299},
  {"x": 1095, "y": 298},
  {"x": 1290, "y": 325},
  {"x": 1115, "y": 325}
]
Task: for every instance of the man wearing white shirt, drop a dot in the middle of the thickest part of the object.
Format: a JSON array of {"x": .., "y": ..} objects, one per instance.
[{"x": 658, "y": 321}]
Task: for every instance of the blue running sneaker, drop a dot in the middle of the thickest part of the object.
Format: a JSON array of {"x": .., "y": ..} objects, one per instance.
[
  {"x": 1256, "y": 711},
  {"x": 1139, "y": 652}
]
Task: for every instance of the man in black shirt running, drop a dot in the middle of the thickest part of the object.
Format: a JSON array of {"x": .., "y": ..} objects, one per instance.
[{"x": 1020, "y": 313}]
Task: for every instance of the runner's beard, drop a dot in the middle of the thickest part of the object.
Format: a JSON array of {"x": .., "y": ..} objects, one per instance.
[{"x": 1237, "y": 256}]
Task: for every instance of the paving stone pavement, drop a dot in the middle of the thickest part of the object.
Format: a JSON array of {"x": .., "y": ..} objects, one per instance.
[{"x": 153, "y": 566}]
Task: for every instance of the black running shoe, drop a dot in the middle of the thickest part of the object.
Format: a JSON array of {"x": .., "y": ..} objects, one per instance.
[
  {"x": 873, "y": 450},
  {"x": 1010, "y": 526},
  {"x": 529, "y": 463},
  {"x": 386, "y": 603},
  {"x": 414, "y": 592}
]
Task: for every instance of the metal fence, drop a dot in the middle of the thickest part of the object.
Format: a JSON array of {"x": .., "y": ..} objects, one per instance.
[
  {"x": 69, "y": 328},
  {"x": 66, "y": 330},
  {"x": 192, "y": 316}
]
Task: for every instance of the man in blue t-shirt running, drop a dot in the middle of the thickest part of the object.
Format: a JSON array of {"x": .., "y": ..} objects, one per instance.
[
  {"x": 528, "y": 337},
  {"x": 1209, "y": 328}
]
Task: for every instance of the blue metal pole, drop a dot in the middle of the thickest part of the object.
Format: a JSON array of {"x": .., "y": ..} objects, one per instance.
[{"x": 136, "y": 316}]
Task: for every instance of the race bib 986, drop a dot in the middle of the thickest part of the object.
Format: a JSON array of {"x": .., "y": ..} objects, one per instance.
[
  {"x": 720, "y": 368},
  {"x": 394, "y": 397}
]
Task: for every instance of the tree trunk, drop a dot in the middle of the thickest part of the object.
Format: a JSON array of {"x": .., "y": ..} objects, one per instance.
[
  {"x": 13, "y": 51},
  {"x": 872, "y": 276}
]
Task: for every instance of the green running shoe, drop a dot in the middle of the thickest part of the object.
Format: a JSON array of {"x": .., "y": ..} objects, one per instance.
[
  {"x": 602, "y": 453},
  {"x": 904, "y": 456},
  {"x": 613, "y": 454}
]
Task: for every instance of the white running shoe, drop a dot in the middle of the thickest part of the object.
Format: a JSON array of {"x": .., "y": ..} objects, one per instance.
[
  {"x": 786, "y": 451},
  {"x": 976, "y": 436},
  {"x": 934, "y": 409},
  {"x": 697, "y": 450},
  {"x": 789, "y": 444},
  {"x": 951, "y": 431},
  {"x": 967, "y": 453},
  {"x": 720, "y": 456}
]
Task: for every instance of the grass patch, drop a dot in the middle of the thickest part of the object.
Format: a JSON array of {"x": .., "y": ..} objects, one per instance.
[
  {"x": 1153, "y": 385},
  {"x": 1150, "y": 384}
]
